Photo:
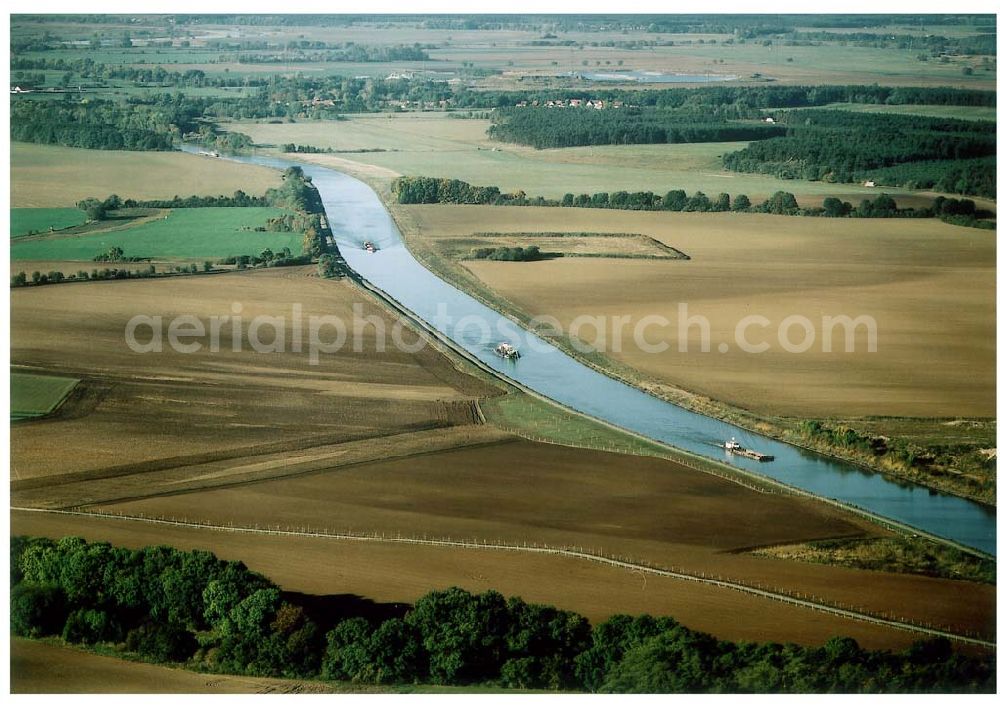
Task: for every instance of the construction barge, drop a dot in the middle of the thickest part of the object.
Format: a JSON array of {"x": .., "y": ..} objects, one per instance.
[{"x": 732, "y": 446}]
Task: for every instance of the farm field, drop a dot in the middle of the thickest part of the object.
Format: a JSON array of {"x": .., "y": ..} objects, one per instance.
[
  {"x": 32, "y": 396},
  {"x": 432, "y": 144},
  {"x": 512, "y": 54},
  {"x": 40, "y": 667},
  {"x": 46, "y": 176},
  {"x": 178, "y": 409},
  {"x": 192, "y": 430},
  {"x": 929, "y": 286},
  {"x": 393, "y": 573},
  {"x": 181, "y": 232},
  {"x": 646, "y": 508},
  {"x": 27, "y": 220}
]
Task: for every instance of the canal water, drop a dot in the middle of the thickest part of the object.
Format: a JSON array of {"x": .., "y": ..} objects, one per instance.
[{"x": 357, "y": 215}]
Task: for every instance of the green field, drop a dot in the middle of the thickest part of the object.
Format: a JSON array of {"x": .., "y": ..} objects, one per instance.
[
  {"x": 185, "y": 233},
  {"x": 32, "y": 396},
  {"x": 28, "y": 220}
]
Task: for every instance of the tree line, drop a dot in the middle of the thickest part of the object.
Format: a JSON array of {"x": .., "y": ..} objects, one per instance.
[
  {"x": 191, "y": 608},
  {"x": 430, "y": 190},
  {"x": 542, "y": 127},
  {"x": 358, "y": 53},
  {"x": 843, "y": 147}
]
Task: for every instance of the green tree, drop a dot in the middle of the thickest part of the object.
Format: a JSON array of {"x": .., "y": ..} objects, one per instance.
[
  {"x": 37, "y": 610},
  {"x": 741, "y": 203}
]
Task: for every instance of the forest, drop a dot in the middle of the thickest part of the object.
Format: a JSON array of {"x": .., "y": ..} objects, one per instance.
[
  {"x": 841, "y": 147},
  {"x": 164, "y": 605}
]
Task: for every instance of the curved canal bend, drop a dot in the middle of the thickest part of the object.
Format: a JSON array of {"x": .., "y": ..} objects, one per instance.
[{"x": 357, "y": 215}]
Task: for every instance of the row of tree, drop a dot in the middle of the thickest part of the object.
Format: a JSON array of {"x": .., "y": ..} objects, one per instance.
[
  {"x": 56, "y": 277},
  {"x": 357, "y": 53},
  {"x": 543, "y": 127},
  {"x": 192, "y": 608},
  {"x": 423, "y": 189}
]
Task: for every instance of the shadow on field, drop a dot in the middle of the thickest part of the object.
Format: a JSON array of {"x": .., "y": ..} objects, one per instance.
[{"x": 327, "y": 610}]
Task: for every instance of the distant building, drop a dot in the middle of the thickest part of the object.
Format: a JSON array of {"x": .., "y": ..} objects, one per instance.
[{"x": 870, "y": 184}]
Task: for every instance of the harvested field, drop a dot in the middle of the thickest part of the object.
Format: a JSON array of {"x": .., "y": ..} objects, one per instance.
[
  {"x": 41, "y": 667},
  {"x": 46, "y": 176},
  {"x": 643, "y": 508},
  {"x": 929, "y": 286},
  {"x": 390, "y": 573},
  {"x": 177, "y": 408}
]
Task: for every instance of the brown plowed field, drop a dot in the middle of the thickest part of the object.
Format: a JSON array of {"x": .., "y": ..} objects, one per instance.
[{"x": 174, "y": 408}]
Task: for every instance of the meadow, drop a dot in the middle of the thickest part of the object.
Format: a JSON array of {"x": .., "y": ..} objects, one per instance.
[
  {"x": 181, "y": 233},
  {"x": 33, "y": 220},
  {"x": 32, "y": 396},
  {"x": 44, "y": 176}
]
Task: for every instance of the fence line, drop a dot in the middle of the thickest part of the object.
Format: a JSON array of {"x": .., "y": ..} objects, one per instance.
[{"x": 578, "y": 552}]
